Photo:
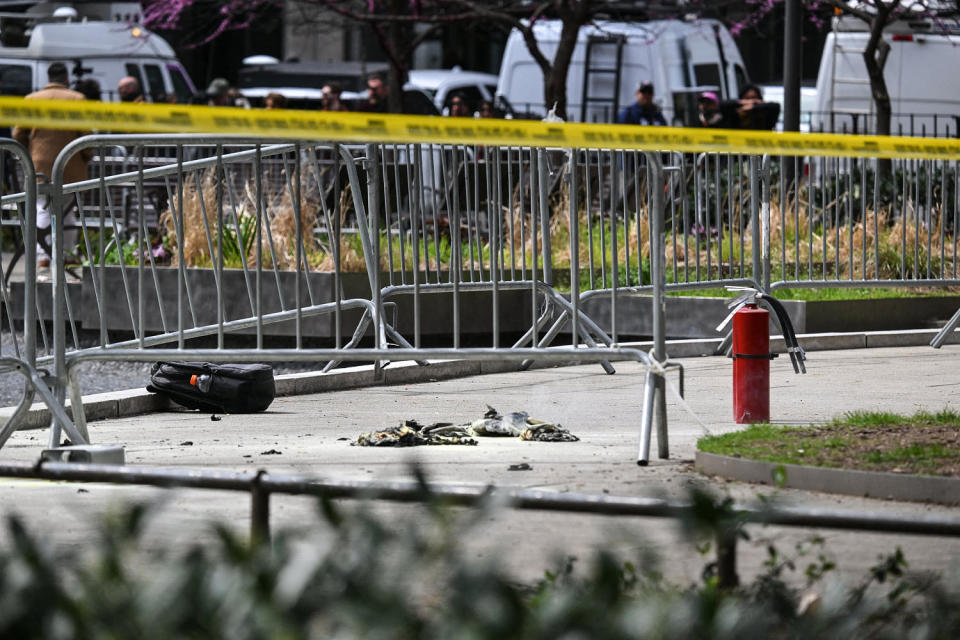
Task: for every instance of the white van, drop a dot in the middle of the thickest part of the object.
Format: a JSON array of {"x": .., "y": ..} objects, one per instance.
[
  {"x": 102, "y": 50},
  {"x": 680, "y": 58},
  {"x": 921, "y": 75}
]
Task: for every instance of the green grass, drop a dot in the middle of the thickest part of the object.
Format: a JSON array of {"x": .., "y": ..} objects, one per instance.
[
  {"x": 922, "y": 443},
  {"x": 816, "y": 295}
]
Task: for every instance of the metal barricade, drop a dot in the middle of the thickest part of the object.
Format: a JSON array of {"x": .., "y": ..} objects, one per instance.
[
  {"x": 19, "y": 297},
  {"x": 279, "y": 211},
  {"x": 464, "y": 221},
  {"x": 710, "y": 201},
  {"x": 461, "y": 220},
  {"x": 862, "y": 222}
]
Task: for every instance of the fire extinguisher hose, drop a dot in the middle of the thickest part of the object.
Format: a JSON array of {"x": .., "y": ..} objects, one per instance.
[{"x": 795, "y": 351}]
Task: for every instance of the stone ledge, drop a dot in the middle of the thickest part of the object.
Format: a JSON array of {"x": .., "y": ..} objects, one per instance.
[{"x": 868, "y": 484}]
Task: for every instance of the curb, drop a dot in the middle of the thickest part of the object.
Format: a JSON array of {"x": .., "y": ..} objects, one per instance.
[
  {"x": 120, "y": 404},
  {"x": 867, "y": 484}
]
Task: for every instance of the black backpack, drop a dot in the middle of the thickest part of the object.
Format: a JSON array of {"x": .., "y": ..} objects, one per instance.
[{"x": 215, "y": 388}]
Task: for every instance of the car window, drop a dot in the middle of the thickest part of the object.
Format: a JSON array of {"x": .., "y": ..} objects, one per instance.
[
  {"x": 158, "y": 90},
  {"x": 471, "y": 94},
  {"x": 706, "y": 75},
  {"x": 180, "y": 85},
  {"x": 15, "y": 80}
]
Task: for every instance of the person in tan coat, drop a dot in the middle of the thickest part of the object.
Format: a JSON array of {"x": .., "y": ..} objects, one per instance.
[{"x": 44, "y": 146}]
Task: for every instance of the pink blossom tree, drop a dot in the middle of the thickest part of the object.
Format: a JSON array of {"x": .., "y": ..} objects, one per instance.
[{"x": 391, "y": 22}]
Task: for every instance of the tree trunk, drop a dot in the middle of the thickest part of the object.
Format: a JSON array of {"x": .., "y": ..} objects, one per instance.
[
  {"x": 396, "y": 35},
  {"x": 875, "y": 58},
  {"x": 396, "y": 78},
  {"x": 555, "y": 83}
]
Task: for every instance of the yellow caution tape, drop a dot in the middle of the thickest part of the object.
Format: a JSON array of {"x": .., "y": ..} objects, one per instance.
[{"x": 364, "y": 127}]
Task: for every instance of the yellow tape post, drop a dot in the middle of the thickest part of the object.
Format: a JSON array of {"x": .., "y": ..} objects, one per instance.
[{"x": 364, "y": 127}]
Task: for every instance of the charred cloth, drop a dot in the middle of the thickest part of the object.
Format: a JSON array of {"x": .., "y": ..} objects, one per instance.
[{"x": 518, "y": 424}]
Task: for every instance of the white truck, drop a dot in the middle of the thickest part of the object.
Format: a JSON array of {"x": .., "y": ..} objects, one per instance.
[
  {"x": 681, "y": 58},
  {"x": 104, "y": 43},
  {"x": 921, "y": 75}
]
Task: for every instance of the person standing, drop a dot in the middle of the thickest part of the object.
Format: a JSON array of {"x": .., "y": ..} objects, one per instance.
[
  {"x": 330, "y": 97},
  {"x": 45, "y": 145},
  {"x": 89, "y": 87},
  {"x": 715, "y": 114},
  {"x": 487, "y": 110},
  {"x": 275, "y": 101},
  {"x": 218, "y": 93},
  {"x": 644, "y": 111},
  {"x": 128, "y": 90},
  {"x": 459, "y": 107},
  {"x": 377, "y": 94}
]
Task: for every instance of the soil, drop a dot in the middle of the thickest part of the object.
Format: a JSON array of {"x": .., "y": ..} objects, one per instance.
[{"x": 903, "y": 448}]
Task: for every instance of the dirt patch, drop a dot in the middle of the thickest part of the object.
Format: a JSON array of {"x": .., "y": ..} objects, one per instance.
[{"x": 899, "y": 448}]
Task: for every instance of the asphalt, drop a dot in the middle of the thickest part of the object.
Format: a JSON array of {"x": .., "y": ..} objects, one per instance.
[{"x": 313, "y": 434}]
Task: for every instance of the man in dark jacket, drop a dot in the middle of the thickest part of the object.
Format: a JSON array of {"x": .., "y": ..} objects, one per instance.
[{"x": 643, "y": 111}]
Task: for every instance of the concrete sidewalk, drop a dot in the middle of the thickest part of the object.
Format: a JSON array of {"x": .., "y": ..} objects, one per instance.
[{"x": 313, "y": 435}]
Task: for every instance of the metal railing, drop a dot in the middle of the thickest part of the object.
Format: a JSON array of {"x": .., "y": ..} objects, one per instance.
[
  {"x": 209, "y": 218},
  {"x": 261, "y": 485}
]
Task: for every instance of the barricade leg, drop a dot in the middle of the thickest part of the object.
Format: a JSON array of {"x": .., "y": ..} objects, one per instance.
[
  {"x": 58, "y": 273},
  {"x": 646, "y": 418},
  {"x": 658, "y": 279},
  {"x": 76, "y": 404},
  {"x": 944, "y": 333}
]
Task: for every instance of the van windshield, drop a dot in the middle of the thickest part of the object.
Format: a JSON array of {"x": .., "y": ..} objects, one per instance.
[{"x": 15, "y": 80}]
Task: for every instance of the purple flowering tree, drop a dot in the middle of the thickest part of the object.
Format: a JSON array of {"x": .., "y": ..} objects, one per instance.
[{"x": 391, "y": 22}]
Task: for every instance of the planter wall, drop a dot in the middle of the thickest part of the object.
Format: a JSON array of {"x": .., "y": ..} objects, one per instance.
[{"x": 687, "y": 317}]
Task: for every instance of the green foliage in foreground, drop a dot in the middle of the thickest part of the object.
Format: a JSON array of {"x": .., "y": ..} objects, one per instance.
[
  {"x": 854, "y": 440},
  {"x": 411, "y": 577}
]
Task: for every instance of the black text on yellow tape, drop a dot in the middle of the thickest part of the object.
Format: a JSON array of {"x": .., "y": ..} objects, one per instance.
[{"x": 362, "y": 127}]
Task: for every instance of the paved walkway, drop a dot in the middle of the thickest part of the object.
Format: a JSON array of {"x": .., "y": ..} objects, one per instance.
[{"x": 313, "y": 432}]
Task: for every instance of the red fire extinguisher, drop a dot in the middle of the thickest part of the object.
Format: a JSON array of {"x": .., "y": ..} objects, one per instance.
[{"x": 751, "y": 364}]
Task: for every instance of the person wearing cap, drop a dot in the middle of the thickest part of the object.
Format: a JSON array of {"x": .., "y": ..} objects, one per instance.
[
  {"x": 218, "y": 93},
  {"x": 715, "y": 114},
  {"x": 643, "y": 111}
]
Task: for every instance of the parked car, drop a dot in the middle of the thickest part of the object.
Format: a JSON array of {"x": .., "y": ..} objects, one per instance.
[
  {"x": 416, "y": 101},
  {"x": 443, "y": 84},
  {"x": 290, "y": 77},
  {"x": 301, "y": 84}
]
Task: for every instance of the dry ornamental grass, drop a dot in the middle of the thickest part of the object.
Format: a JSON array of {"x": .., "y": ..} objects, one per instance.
[{"x": 823, "y": 245}]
